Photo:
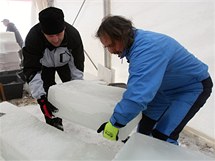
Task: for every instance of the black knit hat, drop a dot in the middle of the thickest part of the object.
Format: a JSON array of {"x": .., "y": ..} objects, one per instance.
[{"x": 52, "y": 20}]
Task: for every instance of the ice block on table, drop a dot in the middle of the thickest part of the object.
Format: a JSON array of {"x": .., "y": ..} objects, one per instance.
[
  {"x": 88, "y": 103},
  {"x": 142, "y": 147},
  {"x": 25, "y": 137}
]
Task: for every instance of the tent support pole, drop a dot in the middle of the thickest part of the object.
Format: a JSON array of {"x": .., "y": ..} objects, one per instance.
[{"x": 107, "y": 55}]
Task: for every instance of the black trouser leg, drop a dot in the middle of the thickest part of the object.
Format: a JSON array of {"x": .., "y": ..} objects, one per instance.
[
  {"x": 55, "y": 122},
  {"x": 146, "y": 125}
]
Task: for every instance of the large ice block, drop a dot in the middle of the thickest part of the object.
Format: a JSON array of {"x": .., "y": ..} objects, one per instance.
[
  {"x": 24, "y": 137},
  {"x": 8, "y": 66},
  {"x": 142, "y": 147},
  {"x": 9, "y": 57},
  {"x": 7, "y": 36},
  {"x": 6, "y": 47},
  {"x": 9, "y": 61},
  {"x": 88, "y": 103},
  {"x": 8, "y": 42}
]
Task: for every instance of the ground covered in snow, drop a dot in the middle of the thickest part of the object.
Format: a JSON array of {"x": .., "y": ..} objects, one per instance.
[{"x": 187, "y": 140}]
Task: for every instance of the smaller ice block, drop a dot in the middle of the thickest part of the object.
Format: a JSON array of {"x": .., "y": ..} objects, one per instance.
[
  {"x": 9, "y": 57},
  {"x": 7, "y": 36},
  {"x": 88, "y": 103},
  {"x": 24, "y": 137},
  {"x": 142, "y": 147},
  {"x": 7, "y": 47},
  {"x": 8, "y": 42}
]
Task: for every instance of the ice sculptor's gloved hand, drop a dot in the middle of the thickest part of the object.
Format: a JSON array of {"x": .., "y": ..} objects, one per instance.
[
  {"x": 46, "y": 107},
  {"x": 55, "y": 122},
  {"x": 109, "y": 131}
]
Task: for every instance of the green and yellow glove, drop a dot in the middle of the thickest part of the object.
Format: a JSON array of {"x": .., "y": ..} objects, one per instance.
[{"x": 109, "y": 131}]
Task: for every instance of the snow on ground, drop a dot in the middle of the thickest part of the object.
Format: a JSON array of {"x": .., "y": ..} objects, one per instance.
[
  {"x": 195, "y": 143},
  {"x": 187, "y": 140}
]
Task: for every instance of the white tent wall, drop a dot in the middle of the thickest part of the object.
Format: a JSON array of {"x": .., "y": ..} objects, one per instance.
[
  {"x": 87, "y": 23},
  {"x": 18, "y": 12},
  {"x": 191, "y": 22},
  {"x": 37, "y": 6}
]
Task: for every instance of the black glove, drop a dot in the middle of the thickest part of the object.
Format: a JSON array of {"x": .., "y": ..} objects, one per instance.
[
  {"x": 46, "y": 107},
  {"x": 55, "y": 122}
]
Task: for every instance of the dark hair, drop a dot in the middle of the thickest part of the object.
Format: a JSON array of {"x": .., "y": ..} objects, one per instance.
[{"x": 117, "y": 28}]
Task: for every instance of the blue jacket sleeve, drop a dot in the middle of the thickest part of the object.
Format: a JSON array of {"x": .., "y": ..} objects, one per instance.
[{"x": 146, "y": 71}]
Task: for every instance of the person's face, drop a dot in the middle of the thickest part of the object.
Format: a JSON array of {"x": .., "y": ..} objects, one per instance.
[
  {"x": 5, "y": 23},
  {"x": 115, "y": 47},
  {"x": 55, "y": 39}
]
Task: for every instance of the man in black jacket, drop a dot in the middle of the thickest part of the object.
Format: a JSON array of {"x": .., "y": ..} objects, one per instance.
[{"x": 51, "y": 46}]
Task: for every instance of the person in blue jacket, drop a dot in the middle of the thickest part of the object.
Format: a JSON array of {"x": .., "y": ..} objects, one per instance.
[{"x": 166, "y": 82}]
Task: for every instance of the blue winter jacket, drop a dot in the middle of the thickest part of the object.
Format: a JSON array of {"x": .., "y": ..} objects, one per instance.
[{"x": 157, "y": 62}]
